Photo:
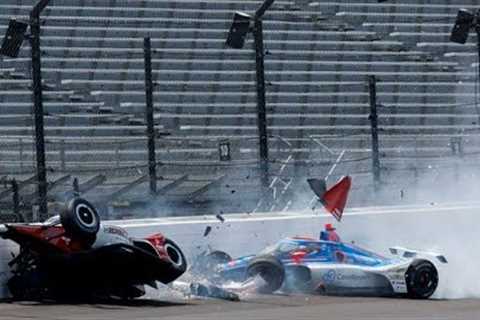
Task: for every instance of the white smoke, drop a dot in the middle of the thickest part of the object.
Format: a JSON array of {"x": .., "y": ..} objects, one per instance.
[
  {"x": 443, "y": 224},
  {"x": 447, "y": 224}
]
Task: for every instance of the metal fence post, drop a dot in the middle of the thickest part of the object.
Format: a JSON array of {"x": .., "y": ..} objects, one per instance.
[
  {"x": 20, "y": 143},
  {"x": 117, "y": 154},
  {"x": 372, "y": 84},
  {"x": 16, "y": 201},
  {"x": 63, "y": 164},
  {"x": 152, "y": 162},
  {"x": 76, "y": 187}
]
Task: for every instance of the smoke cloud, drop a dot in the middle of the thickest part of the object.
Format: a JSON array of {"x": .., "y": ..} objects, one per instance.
[
  {"x": 439, "y": 214},
  {"x": 436, "y": 209}
]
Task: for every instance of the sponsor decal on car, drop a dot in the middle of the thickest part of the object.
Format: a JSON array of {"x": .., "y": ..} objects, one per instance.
[
  {"x": 116, "y": 231},
  {"x": 351, "y": 277},
  {"x": 330, "y": 276}
]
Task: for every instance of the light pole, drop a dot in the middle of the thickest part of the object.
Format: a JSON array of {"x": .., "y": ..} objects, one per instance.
[
  {"x": 236, "y": 38},
  {"x": 38, "y": 105},
  {"x": 10, "y": 47},
  {"x": 466, "y": 21}
]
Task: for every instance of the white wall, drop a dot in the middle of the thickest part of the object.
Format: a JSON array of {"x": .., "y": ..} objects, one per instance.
[
  {"x": 452, "y": 230},
  {"x": 428, "y": 227},
  {"x": 449, "y": 229}
]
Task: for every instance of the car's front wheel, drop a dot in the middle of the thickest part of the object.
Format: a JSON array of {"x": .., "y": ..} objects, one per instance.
[
  {"x": 422, "y": 279},
  {"x": 270, "y": 270}
]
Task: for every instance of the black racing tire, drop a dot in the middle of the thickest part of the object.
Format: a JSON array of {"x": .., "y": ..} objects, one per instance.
[
  {"x": 176, "y": 256},
  {"x": 80, "y": 220},
  {"x": 422, "y": 279},
  {"x": 270, "y": 269},
  {"x": 298, "y": 278},
  {"x": 207, "y": 264},
  {"x": 218, "y": 257}
]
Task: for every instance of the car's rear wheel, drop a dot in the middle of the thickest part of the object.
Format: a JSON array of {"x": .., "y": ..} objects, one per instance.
[
  {"x": 80, "y": 220},
  {"x": 422, "y": 279},
  {"x": 270, "y": 269}
]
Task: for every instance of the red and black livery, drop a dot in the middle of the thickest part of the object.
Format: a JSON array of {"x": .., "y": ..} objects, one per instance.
[{"x": 73, "y": 255}]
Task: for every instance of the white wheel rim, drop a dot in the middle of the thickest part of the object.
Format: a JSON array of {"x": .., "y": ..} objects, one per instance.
[
  {"x": 168, "y": 249},
  {"x": 78, "y": 213}
]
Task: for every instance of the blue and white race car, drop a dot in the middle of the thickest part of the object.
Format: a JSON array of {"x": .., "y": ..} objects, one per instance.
[{"x": 331, "y": 268}]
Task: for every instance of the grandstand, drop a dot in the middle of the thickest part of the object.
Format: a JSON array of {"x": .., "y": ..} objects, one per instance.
[{"x": 318, "y": 57}]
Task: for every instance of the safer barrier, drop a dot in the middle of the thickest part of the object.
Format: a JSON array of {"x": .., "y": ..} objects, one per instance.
[
  {"x": 427, "y": 226},
  {"x": 443, "y": 228}
]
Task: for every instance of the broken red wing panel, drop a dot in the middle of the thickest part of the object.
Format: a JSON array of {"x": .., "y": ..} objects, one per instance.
[{"x": 335, "y": 199}]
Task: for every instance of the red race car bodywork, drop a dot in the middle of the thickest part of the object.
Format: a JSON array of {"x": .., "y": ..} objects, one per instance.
[{"x": 74, "y": 255}]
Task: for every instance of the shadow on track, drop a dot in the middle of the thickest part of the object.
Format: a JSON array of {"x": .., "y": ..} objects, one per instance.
[{"x": 101, "y": 303}]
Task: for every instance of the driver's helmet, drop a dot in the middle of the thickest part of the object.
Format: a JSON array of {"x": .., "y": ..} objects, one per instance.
[{"x": 329, "y": 233}]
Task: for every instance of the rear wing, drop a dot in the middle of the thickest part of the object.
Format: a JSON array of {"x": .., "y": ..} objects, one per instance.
[
  {"x": 409, "y": 253},
  {"x": 335, "y": 198}
]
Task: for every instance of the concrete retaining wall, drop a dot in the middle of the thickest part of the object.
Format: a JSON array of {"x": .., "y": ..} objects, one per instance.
[
  {"x": 429, "y": 227},
  {"x": 442, "y": 228}
]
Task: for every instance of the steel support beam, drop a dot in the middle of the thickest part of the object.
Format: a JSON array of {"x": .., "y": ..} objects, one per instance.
[
  {"x": 20, "y": 186},
  {"x": 152, "y": 162},
  {"x": 372, "y": 85},
  {"x": 126, "y": 188},
  {"x": 50, "y": 186},
  {"x": 38, "y": 8},
  {"x": 172, "y": 185},
  {"x": 264, "y": 7},
  {"x": 79, "y": 188},
  {"x": 205, "y": 188},
  {"x": 38, "y": 106},
  {"x": 91, "y": 183},
  {"x": 58, "y": 182}
]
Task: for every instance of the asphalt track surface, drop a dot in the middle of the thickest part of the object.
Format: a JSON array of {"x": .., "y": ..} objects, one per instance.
[{"x": 258, "y": 307}]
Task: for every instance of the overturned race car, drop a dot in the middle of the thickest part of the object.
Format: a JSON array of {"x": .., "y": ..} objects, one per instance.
[
  {"x": 330, "y": 268},
  {"x": 73, "y": 255}
]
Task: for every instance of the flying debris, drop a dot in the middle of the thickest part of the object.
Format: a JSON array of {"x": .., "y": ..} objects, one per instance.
[
  {"x": 212, "y": 291},
  {"x": 204, "y": 290},
  {"x": 220, "y": 218},
  {"x": 334, "y": 199},
  {"x": 207, "y": 231}
]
